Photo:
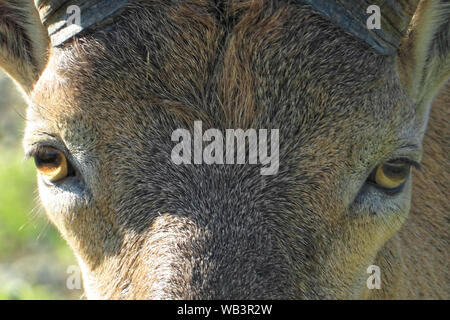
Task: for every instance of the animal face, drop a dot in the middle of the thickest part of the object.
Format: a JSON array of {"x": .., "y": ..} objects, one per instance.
[{"x": 99, "y": 127}]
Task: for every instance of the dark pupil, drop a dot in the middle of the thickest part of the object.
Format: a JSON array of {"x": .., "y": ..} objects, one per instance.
[
  {"x": 47, "y": 158},
  {"x": 396, "y": 171}
]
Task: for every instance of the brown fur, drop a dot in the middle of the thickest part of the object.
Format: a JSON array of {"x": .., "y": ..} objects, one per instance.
[{"x": 143, "y": 227}]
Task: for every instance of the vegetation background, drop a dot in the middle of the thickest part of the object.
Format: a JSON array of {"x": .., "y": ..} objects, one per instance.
[{"x": 34, "y": 259}]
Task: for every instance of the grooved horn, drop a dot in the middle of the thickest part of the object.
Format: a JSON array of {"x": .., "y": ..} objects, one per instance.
[
  {"x": 55, "y": 15},
  {"x": 352, "y": 16}
]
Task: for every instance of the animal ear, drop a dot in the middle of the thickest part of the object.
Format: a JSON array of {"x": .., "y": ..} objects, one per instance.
[
  {"x": 24, "y": 42},
  {"x": 424, "y": 53}
]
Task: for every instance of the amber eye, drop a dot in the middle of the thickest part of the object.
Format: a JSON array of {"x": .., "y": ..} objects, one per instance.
[
  {"x": 390, "y": 175},
  {"x": 52, "y": 164}
]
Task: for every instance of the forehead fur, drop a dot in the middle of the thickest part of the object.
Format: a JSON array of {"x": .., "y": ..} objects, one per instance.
[{"x": 230, "y": 65}]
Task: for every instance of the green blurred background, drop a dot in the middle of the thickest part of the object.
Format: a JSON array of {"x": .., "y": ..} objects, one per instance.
[{"x": 34, "y": 259}]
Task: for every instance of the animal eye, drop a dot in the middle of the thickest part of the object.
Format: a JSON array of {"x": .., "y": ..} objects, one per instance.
[
  {"x": 390, "y": 175},
  {"x": 52, "y": 164}
]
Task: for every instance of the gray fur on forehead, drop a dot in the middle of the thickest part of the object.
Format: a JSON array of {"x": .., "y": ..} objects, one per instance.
[{"x": 178, "y": 50}]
